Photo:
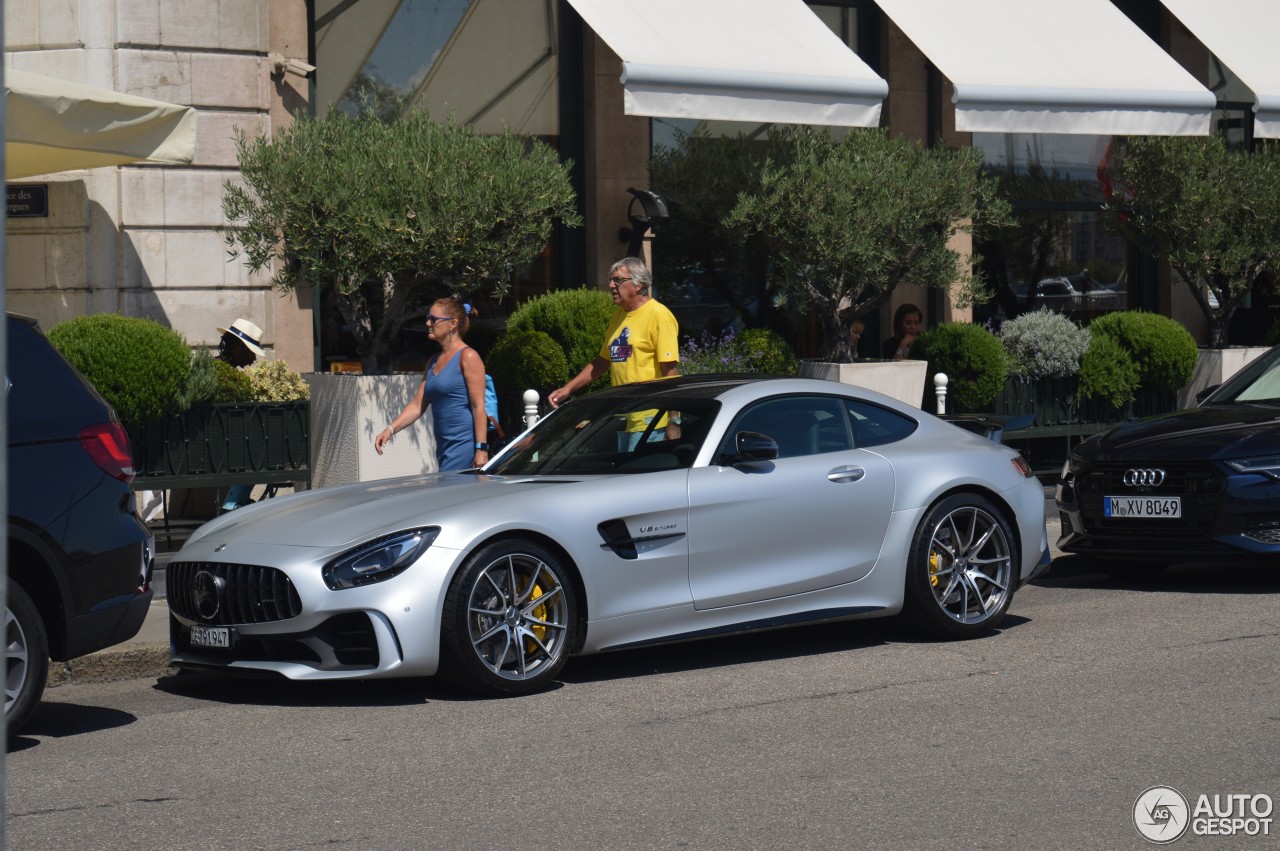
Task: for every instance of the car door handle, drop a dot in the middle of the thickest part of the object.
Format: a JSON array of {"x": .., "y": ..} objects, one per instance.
[{"x": 846, "y": 474}]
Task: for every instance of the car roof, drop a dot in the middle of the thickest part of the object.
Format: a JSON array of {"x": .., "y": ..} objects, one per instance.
[{"x": 705, "y": 386}]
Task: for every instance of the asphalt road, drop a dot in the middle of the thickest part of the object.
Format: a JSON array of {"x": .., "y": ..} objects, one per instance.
[{"x": 1042, "y": 735}]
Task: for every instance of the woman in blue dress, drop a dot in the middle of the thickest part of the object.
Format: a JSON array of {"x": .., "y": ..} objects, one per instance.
[{"x": 453, "y": 386}]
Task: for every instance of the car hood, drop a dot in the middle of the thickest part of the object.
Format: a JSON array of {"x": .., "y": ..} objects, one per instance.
[
  {"x": 337, "y": 516},
  {"x": 1214, "y": 432}
]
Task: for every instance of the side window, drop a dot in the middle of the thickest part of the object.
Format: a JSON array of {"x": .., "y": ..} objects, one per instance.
[
  {"x": 874, "y": 426},
  {"x": 800, "y": 425}
]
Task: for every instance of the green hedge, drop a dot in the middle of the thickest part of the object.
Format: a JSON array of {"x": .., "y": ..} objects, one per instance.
[
  {"x": 1163, "y": 350},
  {"x": 523, "y": 360},
  {"x": 973, "y": 359},
  {"x": 575, "y": 319},
  {"x": 138, "y": 365}
]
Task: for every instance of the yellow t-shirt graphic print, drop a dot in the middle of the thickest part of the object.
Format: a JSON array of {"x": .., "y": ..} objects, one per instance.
[{"x": 636, "y": 343}]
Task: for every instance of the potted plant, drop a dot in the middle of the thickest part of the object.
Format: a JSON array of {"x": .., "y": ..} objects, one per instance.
[
  {"x": 389, "y": 210},
  {"x": 392, "y": 212}
]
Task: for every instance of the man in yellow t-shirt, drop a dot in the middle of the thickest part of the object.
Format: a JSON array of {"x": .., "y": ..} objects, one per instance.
[{"x": 642, "y": 342}]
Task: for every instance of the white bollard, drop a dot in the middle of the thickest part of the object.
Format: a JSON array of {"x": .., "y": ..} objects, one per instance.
[
  {"x": 530, "y": 408},
  {"x": 940, "y": 388}
]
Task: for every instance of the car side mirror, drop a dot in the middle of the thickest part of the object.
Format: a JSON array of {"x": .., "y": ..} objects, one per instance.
[
  {"x": 1206, "y": 392},
  {"x": 753, "y": 446}
]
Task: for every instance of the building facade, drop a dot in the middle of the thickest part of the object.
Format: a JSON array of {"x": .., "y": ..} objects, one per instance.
[{"x": 142, "y": 239}]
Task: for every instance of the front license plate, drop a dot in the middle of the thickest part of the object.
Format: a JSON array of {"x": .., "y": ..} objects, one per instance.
[
  {"x": 211, "y": 636},
  {"x": 1142, "y": 506}
]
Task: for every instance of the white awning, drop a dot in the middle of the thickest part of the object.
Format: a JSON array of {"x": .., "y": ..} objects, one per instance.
[
  {"x": 52, "y": 125},
  {"x": 1051, "y": 66},
  {"x": 735, "y": 60},
  {"x": 1245, "y": 35}
]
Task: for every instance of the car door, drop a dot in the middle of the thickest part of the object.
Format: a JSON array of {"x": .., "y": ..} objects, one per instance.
[{"x": 813, "y": 518}]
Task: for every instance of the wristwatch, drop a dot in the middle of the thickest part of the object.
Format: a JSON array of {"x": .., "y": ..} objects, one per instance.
[{"x": 482, "y": 447}]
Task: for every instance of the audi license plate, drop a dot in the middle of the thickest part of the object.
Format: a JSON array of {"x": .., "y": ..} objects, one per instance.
[
  {"x": 211, "y": 636},
  {"x": 1142, "y": 506}
]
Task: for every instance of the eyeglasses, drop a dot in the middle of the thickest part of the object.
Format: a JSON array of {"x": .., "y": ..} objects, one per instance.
[
  {"x": 617, "y": 282},
  {"x": 432, "y": 320}
]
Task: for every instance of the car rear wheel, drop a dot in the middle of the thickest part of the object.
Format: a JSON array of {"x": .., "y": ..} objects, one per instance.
[
  {"x": 960, "y": 572},
  {"x": 508, "y": 619},
  {"x": 26, "y": 659}
]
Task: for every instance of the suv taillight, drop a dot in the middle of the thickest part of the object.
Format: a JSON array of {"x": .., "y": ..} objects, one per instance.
[{"x": 108, "y": 446}]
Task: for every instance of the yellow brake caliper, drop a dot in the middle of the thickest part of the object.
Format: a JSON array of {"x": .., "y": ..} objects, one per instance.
[
  {"x": 935, "y": 559},
  {"x": 539, "y": 613}
]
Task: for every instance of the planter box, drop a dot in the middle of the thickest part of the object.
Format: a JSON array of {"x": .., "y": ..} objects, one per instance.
[
  {"x": 1214, "y": 367},
  {"x": 902, "y": 380},
  {"x": 217, "y": 445},
  {"x": 348, "y": 411},
  {"x": 1053, "y": 402}
]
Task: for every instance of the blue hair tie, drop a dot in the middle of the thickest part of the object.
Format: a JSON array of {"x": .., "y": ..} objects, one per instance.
[{"x": 466, "y": 308}]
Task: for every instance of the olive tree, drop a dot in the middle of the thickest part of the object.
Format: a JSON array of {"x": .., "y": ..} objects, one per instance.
[
  {"x": 846, "y": 220},
  {"x": 1212, "y": 213},
  {"x": 391, "y": 213}
]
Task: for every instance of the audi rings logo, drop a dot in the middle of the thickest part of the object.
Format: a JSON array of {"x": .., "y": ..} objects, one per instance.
[
  {"x": 1136, "y": 478},
  {"x": 206, "y": 594}
]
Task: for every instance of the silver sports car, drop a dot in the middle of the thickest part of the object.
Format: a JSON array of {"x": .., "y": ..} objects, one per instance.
[{"x": 649, "y": 513}]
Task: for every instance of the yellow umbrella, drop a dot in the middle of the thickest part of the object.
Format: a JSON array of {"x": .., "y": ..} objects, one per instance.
[{"x": 52, "y": 125}]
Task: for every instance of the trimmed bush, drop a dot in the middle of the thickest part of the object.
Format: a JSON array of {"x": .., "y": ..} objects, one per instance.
[
  {"x": 575, "y": 319},
  {"x": 765, "y": 351},
  {"x": 1164, "y": 351},
  {"x": 234, "y": 386},
  {"x": 273, "y": 381},
  {"x": 522, "y": 360},
  {"x": 139, "y": 366},
  {"x": 1273, "y": 334},
  {"x": 1044, "y": 344},
  {"x": 973, "y": 359},
  {"x": 1107, "y": 372},
  {"x": 202, "y": 382}
]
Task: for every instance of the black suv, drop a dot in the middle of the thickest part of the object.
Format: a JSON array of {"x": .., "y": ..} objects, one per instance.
[{"x": 80, "y": 558}]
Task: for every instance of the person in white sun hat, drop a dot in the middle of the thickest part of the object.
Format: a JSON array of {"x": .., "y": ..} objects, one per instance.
[{"x": 240, "y": 346}]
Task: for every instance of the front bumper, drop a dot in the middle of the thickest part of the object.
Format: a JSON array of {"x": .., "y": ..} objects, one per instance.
[
  {"x": 1225, "y": 516},
  {"x": 387, "y": 629}
]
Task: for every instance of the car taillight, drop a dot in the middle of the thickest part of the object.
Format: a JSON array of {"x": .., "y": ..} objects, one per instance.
[{"x": 108, "y": 446}]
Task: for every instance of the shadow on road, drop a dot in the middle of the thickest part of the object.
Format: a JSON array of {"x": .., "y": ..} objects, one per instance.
[
  {"x": 795, "y": 642},
  {"x": 1073, "y": 571},
  {"x": 60, "y": 720}
]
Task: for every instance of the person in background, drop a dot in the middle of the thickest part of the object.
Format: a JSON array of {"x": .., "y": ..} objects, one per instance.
[
  {"x": 239, "y": 346},
  {"x": 907, "y": 321},
  {"x": 856, "y": 327},
  {"x": 453, "y": 387},
  {"x": 641, "y": 344}
]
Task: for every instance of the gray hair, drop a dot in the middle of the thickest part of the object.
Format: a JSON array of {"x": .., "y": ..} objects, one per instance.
[{"x": 639, "y": 273}]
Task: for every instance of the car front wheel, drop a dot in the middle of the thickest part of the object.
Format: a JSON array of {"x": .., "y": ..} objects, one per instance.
[
  {"x": 508, "y": 619},
  {"x": 26, "y": 659},
  {"x": 960, "y": 572}
]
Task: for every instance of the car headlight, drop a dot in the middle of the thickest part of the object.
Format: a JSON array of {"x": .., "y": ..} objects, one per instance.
[
  {"x": 378, "y": 560},
  {"x": 1268, "y": 466}
]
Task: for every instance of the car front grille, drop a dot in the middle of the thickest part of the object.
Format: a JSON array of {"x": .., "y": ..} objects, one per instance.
[
  {"x": 241, "y": 593},
  {"x": 1199, "y": 486}
]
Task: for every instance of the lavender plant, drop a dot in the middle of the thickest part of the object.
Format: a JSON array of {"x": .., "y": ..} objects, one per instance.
[
  {"x": 1044, "y": 344},
  {"x": 754, "y": 350}
]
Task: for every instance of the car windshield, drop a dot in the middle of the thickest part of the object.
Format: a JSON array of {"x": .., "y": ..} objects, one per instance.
[
  {"x": 1259, "y": 382},
  {"x": 609, "y": 434}
]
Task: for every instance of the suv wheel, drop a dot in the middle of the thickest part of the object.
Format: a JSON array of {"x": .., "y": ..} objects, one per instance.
[{"x": 26, "y": 659}]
